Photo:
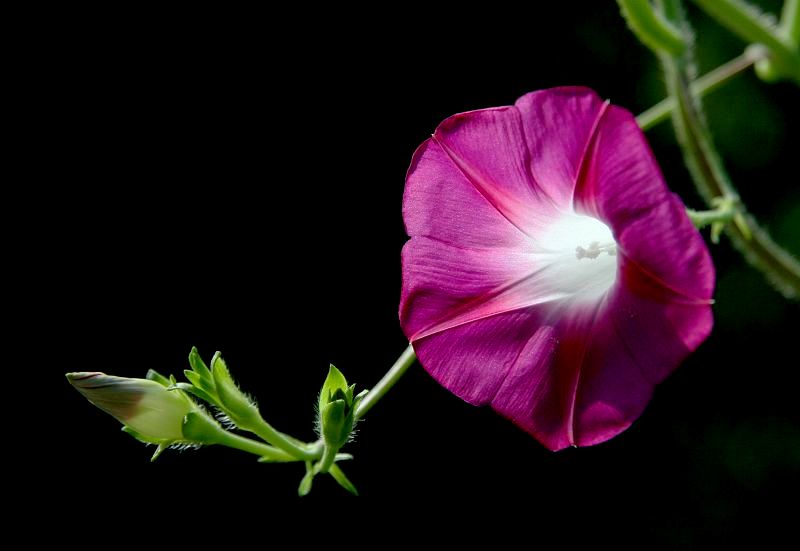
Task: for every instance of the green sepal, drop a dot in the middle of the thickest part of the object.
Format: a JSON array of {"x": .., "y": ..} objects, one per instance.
[
  {"x": 198, "y": 365},
  {"x": 159, "y": 450},
  {"x": 201, "y": 428},
  {"x": 140, "y": 437},
  {"x": 333, "y": 382},
  {"x": 206, "y": 385},
  {"x": 193, "y": 390},
  {"x": 234, "y": 400},
  {"x": 360, "y": 396},
  {"x": 154, "y": 375},
  {"x": 336, "y": 424},
  {"x": 161, "y": 445},
  {"x": 305, "y": 483},
  {"x": 269, "y": 459},
  {"x": 344, "y": 482}
]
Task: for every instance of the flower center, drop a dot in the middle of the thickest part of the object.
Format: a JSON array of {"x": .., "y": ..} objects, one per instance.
[{"x": 577, "y": 257}]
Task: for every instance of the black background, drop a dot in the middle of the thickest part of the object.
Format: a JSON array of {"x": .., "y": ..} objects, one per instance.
[{"x": 233, "y": 181}]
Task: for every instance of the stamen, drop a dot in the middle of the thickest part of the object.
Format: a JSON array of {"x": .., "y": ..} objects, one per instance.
[
  {"x": 561, "y": 249},
  {"x": 596, "y": 249}
]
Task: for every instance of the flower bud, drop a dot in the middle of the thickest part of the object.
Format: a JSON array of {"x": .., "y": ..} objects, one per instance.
[
  {"x": 150, "y": 412},
  {"x": 337, "y": 406}
]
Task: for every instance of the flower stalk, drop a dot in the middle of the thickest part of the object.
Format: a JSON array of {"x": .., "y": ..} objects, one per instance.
[{"x": 402, "y": 364}]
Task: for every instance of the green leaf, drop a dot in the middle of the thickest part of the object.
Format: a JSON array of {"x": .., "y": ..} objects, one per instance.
[{"x": 343, "y": 481}]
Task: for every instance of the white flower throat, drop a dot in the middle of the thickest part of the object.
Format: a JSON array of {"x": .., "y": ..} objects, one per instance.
[{"x": 577, "y": 257}]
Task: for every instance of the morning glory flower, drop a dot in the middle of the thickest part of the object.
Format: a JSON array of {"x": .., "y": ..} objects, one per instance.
[{"x": 550, "y": 272}]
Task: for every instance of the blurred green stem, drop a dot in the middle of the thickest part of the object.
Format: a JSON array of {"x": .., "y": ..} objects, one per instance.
[
  {"x": 725, "y": 211},
  {"x": 790, "y": 22},
  {"x": 651, "y": 27},
  {"x": 703, "y": 218},
  {"x": 748, "y": 24},
  {"x": 709, "y": 174},
  {"x": 700, "y": 87}
]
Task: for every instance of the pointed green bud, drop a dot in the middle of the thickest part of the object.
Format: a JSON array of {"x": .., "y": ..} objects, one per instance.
[
  {"x": 234, "y": 401},
  {"x": 337, "y": 409},
  {"x": 144, "y": 406},
  {"x": 149, "y": 410}
]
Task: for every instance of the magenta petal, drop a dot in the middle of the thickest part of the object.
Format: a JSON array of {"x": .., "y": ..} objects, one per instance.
[
  {"x": 665, "y": 245},
  {"x": 490, "y": 149},
  {"x": 527, "y": 389},
  {"x": 443, "y": 282},
  {"x": 601, "y": 375},
  {"x": 637, "y": 341},
  {"x": 657, "y": 328},
  {"x": 609, "y": 389},
  {"x": 472, "y": 360},
  {"x": 558, "y": 125},
  {"x": 574, "y": 384},
  {"x": 439, "y": 201},
  {"x": 622, "y": 185},
  {"x": 620, "y": 180}
]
